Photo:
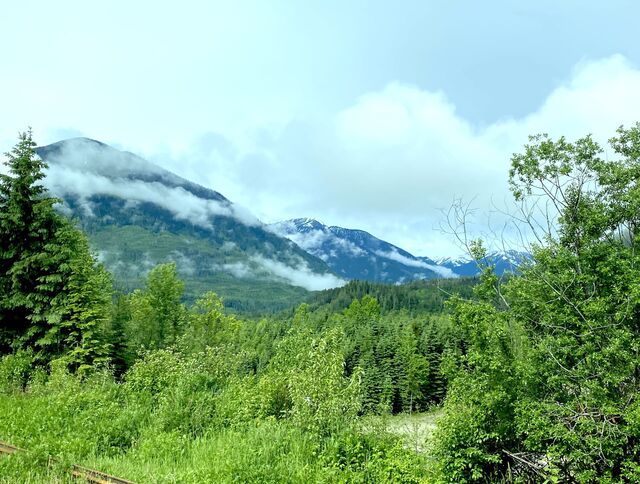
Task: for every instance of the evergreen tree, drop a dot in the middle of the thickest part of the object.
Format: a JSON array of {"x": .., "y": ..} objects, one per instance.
[
  {"x": 413, "y": 369},
  {"x": 120, "y": 356},
  {"x": 54, "y": 297},
  {"x": 28, "y": 223},
  {"x": 80, "y": 310}
]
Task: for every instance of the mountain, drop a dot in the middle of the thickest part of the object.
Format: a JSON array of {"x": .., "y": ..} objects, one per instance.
[
  {"x": 138, "y": 214},
  {"x": 356, "y": 254},
  {"x": 503, "y": 262}
]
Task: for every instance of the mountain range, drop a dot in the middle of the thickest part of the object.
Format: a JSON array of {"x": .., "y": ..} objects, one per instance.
[
  {"x": 356, "y": 254},
  {"x": 138, "y": 214}
]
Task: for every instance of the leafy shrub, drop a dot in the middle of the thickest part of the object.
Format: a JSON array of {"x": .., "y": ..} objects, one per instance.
[
  {"x": 15, "y": 370},
  {"x": 352, "y": 456}
]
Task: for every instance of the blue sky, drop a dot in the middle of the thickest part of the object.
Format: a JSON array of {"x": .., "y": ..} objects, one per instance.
[{"x": 370, "y": 115}]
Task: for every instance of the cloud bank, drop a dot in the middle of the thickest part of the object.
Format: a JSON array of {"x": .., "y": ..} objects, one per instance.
[
  {"x": 85, "y": 168},
  {"x": 398, "y": 257},
  {"x": 389, "y": 162},
  {"x": 385, "y": 162},
  {"x": 301, "y": 275}
]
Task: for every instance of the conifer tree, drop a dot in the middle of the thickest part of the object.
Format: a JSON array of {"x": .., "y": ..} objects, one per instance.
[
  {"x": 120, "y": 355},
  {"x": 54, "y": 298},
  {"x": 27, "y": 223},
  {"x": 81, "y": 308}
]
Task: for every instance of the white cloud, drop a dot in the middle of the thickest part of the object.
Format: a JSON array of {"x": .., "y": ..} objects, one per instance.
[
  {"x": 390, "y": 161},
  {"x": 181, "y": 203},
  {"x": 186, "y": 266},
  {"x": 398, "y": 257},
  {"x": 85, "y": 168},
  {"x": 385, "y": 163},
  {"x": 238, "y": 269},
  {"x": 299, "y": 275}
]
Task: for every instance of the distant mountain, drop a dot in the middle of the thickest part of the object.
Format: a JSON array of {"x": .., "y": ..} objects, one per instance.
[
  {"x": 356, "y": 254},
  {"x": 502, "y": 261},
  {"x": 138, "y": 214}
]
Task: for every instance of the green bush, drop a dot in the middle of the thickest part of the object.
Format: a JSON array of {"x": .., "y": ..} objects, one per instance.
[
  {"x": 15, "y": 371},
  {"x": 355, "y": 457}
]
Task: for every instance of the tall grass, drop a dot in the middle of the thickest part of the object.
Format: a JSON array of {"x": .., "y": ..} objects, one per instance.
[{"x": 169, "y": 422}]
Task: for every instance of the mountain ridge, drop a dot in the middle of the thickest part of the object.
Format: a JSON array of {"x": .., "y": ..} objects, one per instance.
[
  {"x": 356, "y": 254},
  {"x": 138, "y": 214}
]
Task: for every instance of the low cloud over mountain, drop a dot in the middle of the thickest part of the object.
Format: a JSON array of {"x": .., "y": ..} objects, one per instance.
[
  {"x": 138, "y": 214},
  {"x": 356, "y": 254}
]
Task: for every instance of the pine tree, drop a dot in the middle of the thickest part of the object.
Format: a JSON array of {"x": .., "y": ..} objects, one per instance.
[
  {"x": 54, "y": 298},
  {"x": 27, "y": 223}
]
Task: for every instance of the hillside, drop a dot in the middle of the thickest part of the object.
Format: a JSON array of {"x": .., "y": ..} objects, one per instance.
[{"x": 138, "y": 215}]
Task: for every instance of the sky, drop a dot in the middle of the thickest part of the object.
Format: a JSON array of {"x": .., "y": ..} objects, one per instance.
[{"x": 363, "y": 114}]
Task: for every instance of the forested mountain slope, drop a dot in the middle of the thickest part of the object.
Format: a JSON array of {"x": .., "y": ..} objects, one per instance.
[{"x": 138, "y": 215}]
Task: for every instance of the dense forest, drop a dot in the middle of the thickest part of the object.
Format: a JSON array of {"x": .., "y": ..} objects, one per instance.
[{"x": 533, "y": 377}]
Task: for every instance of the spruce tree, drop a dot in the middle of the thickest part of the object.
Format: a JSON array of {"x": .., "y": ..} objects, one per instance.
[
  {"x": 80, "y": 308},
  {"x": 27, "y": 223},
  {"x": 54, "y": 298}
]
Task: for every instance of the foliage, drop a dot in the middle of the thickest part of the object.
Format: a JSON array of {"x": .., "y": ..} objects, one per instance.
[
  {"x": 322, "y": 399},
  {"x": 399, "y": 356},
  {"x": 157, "y": 314},
  {"x": 165, "y": 423},
  {"x": 488, "y": 374},
  {"x": 15, "y": 371},
  {"x": 83, "y": 308},
  {"x": 417, "y": 297},
  {"x": 539, "y": 373},
  {"x": 27, "y": 224},
  {"x": 208, "y": 325},
  {"x": 549, "y": 363}
]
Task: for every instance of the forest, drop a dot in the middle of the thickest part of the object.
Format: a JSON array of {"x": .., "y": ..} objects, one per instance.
[{"x": 529, "y": 378}]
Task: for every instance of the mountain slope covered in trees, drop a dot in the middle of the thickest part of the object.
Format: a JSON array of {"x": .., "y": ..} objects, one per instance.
[{"x": 137, "y": 215}]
